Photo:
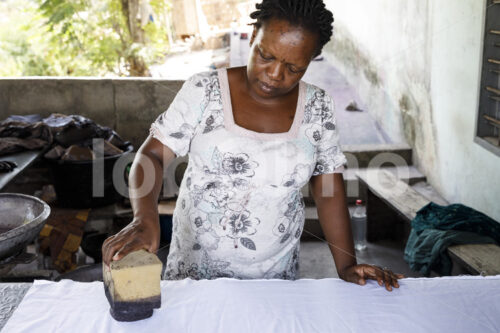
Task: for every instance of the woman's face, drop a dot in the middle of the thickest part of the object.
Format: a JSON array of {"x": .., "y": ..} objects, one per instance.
[{"x": 279, "y": 56}]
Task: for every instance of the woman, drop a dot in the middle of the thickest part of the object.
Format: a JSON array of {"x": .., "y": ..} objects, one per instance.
[{"x": 255, "y": 136}]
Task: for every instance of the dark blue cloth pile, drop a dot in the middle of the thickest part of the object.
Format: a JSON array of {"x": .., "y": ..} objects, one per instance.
[{"x": 436, "y": 227}]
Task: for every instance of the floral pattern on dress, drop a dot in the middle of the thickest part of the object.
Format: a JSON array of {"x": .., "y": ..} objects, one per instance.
[
  {"x": 321, "y": 133},
  {"x": 292, "y": 268},
  {"x": 314, "y": 133},
  {"x": 238, "y": 225},
  {"x": 200, "y": 221},
  {"x": 292, "y": 217},
  {"x": 208, "y": 268},
  {"x": 298, "y": 178},
  {"x": 233, "y": 165},
  {"x": 327, "y": 160},
  {"x": 212, "y": 96},
  {"x": 185, "y": 131},
  {"x": 214, "y": 121},
  {"x": 215, "y": 192},
  {"x": 319, "y": 111},
  {"x": 212, "y": 89},
  {"x": 314, "y": 108},
  {"x": 208, "y": 240},
  {"x": 229, "y": 173}
]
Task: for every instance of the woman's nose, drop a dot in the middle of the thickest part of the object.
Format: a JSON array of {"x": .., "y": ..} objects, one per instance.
[{"x": 275, "y": 71}]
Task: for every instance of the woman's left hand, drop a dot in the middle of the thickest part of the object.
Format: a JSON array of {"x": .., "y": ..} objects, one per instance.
[{"x": 359, "y": 273}]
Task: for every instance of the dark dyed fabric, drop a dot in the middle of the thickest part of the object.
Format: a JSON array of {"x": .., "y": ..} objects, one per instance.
[
  {"x": 30, "y": 132},
  {"x": 18, "y": 135},
  {"x": 436, "y": 227}
]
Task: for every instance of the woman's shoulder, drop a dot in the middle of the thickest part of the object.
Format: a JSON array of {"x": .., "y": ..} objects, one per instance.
[
  {"x": 203, "y": 79},
  {"x": 318, "y": 105},
  {"x": 318, "y": 97},
  {"x": 314, "y": 91}
]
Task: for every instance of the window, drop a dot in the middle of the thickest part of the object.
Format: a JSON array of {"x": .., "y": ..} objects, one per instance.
[{"x": 488, "y": 122}]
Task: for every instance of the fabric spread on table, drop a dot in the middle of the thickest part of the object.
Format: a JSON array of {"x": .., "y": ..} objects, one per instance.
[
  {"x": 445, "y": 304},
  {"x": 436, "y": 227}
]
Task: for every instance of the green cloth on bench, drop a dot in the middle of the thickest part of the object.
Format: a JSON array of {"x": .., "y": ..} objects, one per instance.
[{"x": 436, "y": 227}]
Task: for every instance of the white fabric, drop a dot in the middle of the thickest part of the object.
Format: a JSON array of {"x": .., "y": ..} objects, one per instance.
[
  {"x": 447, "y": 304},
  {"x": 240, "y": 211}
]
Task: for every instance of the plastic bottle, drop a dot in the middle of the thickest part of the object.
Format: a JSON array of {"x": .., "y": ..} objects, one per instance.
[{"x": 358, "y": 225}]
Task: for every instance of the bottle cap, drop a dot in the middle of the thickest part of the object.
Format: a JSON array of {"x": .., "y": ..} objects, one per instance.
[{"x": 359, "y": 202}]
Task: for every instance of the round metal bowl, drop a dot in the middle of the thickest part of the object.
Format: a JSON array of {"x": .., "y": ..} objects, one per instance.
[{"x": 21, "y": 219}]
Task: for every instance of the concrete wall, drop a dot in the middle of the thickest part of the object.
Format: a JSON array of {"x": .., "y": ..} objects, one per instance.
[
  {"x": 417, "y": 67},
  {"x": 129, "y": 106}
]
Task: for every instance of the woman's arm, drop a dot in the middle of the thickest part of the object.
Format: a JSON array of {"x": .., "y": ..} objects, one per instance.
[
  {"x": 145, "y": 205},
  {"x": 329, "y": 195},
  {"x": 144, "y": 230}
]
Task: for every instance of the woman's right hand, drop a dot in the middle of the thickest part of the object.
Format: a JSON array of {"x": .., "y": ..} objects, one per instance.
[{"x": 137, "y": 235}]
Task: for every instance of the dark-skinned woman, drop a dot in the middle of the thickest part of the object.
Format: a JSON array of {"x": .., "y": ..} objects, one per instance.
[{"x": 255, "y": 136}]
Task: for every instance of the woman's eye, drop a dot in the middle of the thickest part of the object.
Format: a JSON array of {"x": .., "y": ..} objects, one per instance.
[{"x": 264, "y": 57}]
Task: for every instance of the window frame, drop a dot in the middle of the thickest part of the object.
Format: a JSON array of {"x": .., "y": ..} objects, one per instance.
[{"x": 483, "y": 128}]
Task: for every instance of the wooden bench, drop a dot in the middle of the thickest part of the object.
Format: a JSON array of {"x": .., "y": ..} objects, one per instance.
[{"x": 481, "y": 259}]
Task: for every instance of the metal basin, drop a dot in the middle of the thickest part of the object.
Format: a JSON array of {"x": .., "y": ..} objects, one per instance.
[{"x": 21, "y": 219}]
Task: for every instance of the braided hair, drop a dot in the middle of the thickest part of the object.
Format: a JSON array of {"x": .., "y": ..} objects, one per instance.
[{"x": 309, "y": 14}]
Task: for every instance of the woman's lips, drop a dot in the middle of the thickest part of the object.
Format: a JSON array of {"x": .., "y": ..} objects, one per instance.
[{"x": 267, "y": 88}]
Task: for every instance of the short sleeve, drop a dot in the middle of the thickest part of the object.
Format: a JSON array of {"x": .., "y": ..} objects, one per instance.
[
  {"x": 176, "y": 126},
  {"x": 329, "y": 156}
]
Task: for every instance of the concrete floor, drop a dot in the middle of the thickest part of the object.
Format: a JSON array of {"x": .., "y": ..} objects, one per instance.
[{"x": 316, "y": 261}]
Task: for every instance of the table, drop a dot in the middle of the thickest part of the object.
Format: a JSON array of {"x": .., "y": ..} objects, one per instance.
[
  {"x": 11, "y": 294},
  {"x": 23, "y": 160},
  {"x": 442, "y": 304}
]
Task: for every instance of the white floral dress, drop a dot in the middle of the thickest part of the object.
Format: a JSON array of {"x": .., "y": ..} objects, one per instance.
[{"x": 240, "y": 211}]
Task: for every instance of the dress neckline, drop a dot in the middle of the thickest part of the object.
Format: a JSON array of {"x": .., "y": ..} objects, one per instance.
[{"x": 230, "y": 124}]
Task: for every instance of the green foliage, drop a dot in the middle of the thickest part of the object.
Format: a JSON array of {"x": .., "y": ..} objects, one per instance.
[{"x": 78, "y": 38}]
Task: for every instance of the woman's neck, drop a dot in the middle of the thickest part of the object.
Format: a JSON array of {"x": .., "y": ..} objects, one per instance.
[{"x": 237, "y": 77}]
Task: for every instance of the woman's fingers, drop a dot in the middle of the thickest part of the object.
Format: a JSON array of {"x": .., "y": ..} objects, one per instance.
[
  {"x": 376, "y": 273},
  {"x": 395, "y": 279},
  {"x": 385, "y": 277},
  {"x": 153, "y": 248},
  {"x": 135, "y": 236},
  {"x": 110, "y": 249},
  {"x": 107, "y": 250},
  {"x": 388, "y": 280},
  {"x": 391, "y": 279},
  {"x": 127, "y": 248},
  {"x": 361, "y": 281},
  {"x": 114, "y": 244}
]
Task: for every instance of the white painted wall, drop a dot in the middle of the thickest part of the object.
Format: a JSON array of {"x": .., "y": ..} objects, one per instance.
[
  {"x": 417, "y": 66},
  {"x": 468, "y": 172}
]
